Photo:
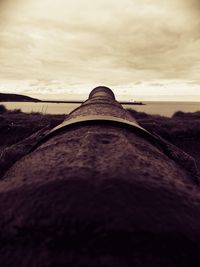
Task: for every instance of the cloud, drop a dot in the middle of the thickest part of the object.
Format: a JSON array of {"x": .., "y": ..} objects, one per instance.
[{"x": 100, "y": 41}]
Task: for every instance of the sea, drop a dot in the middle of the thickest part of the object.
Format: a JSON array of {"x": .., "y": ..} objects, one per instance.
[{"x": 155, "y": 108}]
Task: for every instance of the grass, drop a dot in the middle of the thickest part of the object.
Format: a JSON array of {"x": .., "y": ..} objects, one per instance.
[
  {"x": 182, "y": 129},
  {"x": 16, "y": 125}
]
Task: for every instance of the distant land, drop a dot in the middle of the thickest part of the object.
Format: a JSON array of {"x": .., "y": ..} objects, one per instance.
[
  {"x": 4, "y": 97},
  {"x": 17, "y": 98}
]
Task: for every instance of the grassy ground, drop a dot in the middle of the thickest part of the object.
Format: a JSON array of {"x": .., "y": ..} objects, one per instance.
[
  {"x": 19, "y": 132},
  {"x": 183, "y": 130},
  {"x": 16, "y": 125}
]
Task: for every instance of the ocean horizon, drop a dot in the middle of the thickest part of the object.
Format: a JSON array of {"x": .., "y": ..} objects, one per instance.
[{"x": 163, "y": 108}]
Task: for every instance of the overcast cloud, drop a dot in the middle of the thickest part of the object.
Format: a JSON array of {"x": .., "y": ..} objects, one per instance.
[{"x": 116, "y": 43}]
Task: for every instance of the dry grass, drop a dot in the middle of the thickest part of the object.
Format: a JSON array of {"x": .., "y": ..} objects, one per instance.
[{"x": 182, "y": 129}]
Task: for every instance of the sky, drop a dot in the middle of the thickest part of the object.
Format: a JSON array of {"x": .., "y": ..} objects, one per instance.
[{"x": 142, "y": 49}]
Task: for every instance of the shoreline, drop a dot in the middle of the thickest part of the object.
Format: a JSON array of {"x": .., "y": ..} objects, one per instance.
[{"x": 70, "y": 102}]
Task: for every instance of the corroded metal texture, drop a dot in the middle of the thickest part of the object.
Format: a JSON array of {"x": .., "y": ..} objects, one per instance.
[
  {"x": 103, "y": 194},
  {"x": 102, "y": 91},
  {"x": 100, "y": 107},
  {"x": 101, "y": 102}
]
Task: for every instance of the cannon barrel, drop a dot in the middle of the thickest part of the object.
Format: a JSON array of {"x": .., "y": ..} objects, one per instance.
[
  {"x": 99, "y": 190},
  {"x": 102, "y": 91},
  {"x": 102, "y": 108}
]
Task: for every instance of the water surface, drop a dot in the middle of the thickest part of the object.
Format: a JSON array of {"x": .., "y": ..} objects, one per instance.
[{"x": 161, "y": 108}]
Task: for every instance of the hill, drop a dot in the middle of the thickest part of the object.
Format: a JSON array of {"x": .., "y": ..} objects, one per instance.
[{"x": 16, "y": 98}]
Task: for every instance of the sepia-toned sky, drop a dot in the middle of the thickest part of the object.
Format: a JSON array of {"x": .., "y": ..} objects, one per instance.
[{"x": 148, "y": 49}]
